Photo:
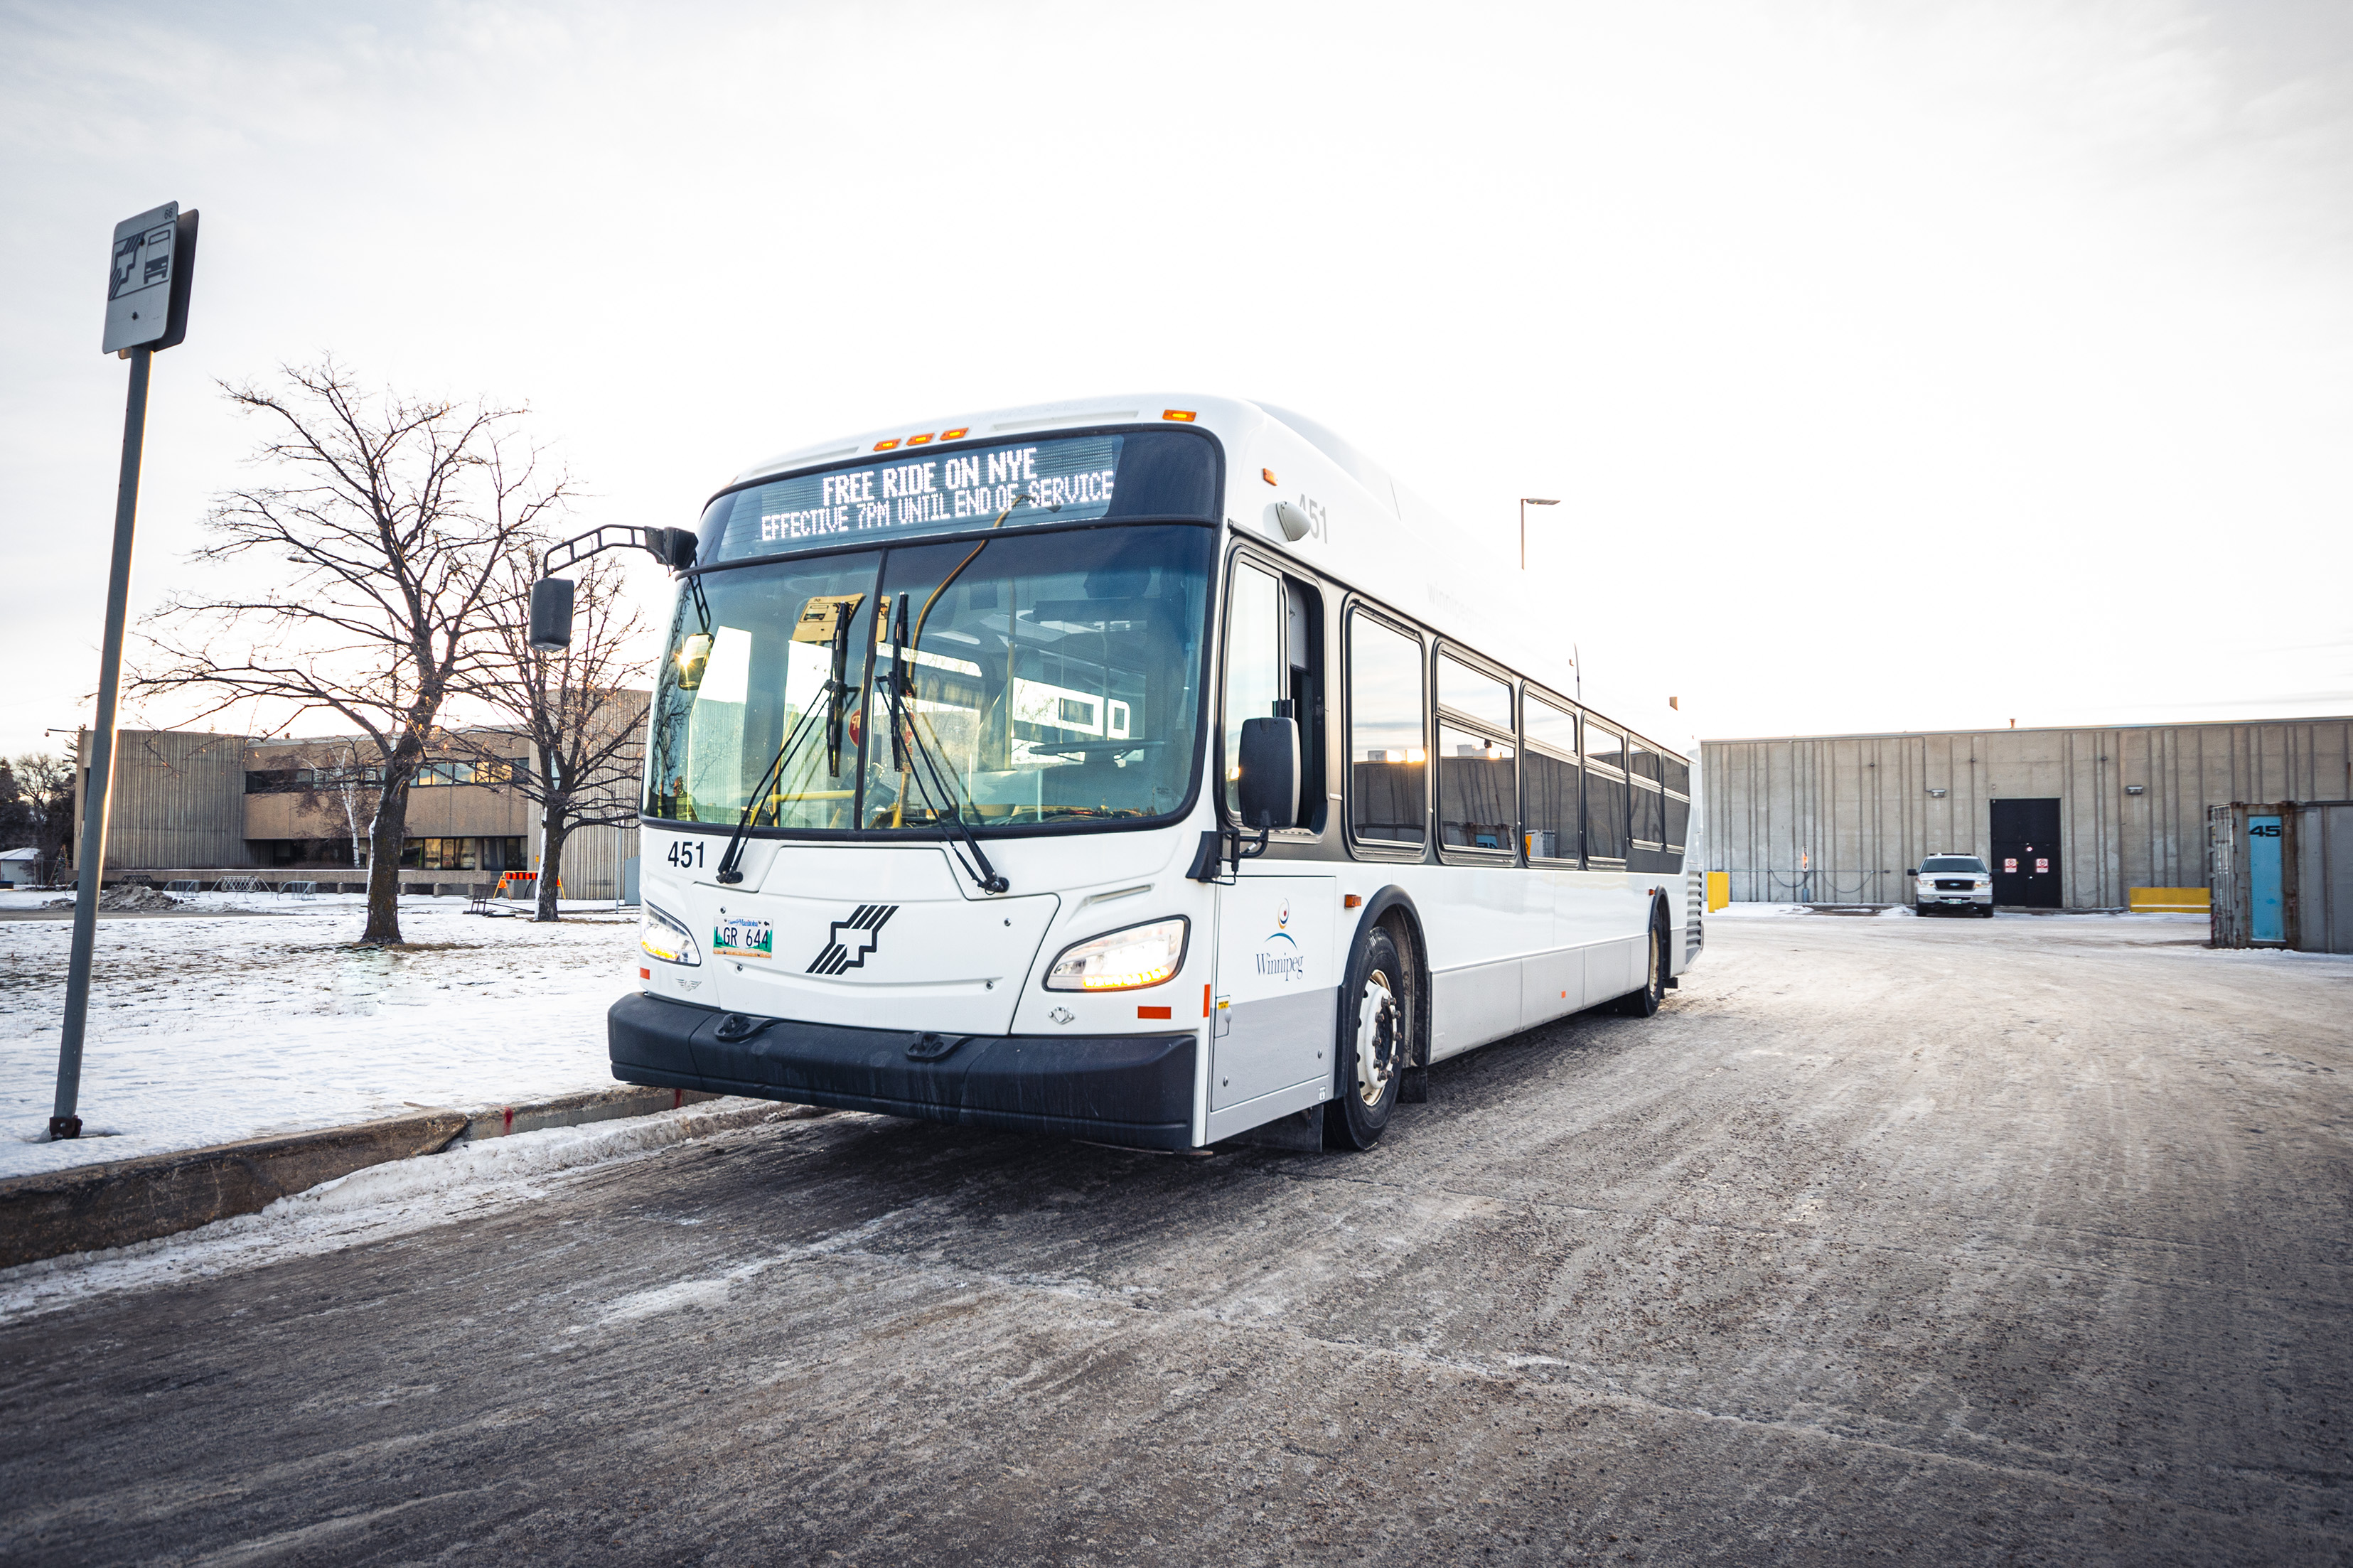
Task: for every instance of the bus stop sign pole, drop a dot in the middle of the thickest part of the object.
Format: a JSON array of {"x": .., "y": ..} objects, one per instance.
[{"x": 146, "y": 309}]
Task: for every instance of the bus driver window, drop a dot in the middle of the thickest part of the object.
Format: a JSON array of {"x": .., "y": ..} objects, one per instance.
[
  {"x": 1254, "y": 675},
  {"x": 1271, "y": 673}
]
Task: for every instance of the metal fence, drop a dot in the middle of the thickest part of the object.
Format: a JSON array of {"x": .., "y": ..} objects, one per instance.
[{"x": 1761, "y": 885}]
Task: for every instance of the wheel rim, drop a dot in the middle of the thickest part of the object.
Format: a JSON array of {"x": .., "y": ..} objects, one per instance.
[
  {"x": 1376, "y": 1037},
  {"x": 1653, "y": 981}
]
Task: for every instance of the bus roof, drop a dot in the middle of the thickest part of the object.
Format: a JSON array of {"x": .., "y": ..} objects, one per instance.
[{"x": 1375, "y": 534}]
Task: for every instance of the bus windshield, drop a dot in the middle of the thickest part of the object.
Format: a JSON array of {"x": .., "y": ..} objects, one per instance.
[{"x": 1048, "y": 678}]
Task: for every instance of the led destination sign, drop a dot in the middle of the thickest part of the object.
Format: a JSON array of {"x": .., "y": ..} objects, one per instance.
[
  {"x": 947, "y": 490},
  {"x": 1068, "y": 479}
]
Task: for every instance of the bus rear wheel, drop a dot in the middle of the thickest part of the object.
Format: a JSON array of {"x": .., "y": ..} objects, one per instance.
[
  {"x": 1376, "y": 1044},
  {"x": 1643, "y": 1003}
]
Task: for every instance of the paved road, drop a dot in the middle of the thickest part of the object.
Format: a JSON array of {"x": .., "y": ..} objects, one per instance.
[{"x": 1888, "y": 1240}]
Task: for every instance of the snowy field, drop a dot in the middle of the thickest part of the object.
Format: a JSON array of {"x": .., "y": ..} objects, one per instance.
[{"x": 215, "y": 1025}]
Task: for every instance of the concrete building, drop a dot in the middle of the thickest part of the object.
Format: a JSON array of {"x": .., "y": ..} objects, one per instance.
[
  {"x": 195, "y": 804},
  {"x": 2072, "y": 819}
]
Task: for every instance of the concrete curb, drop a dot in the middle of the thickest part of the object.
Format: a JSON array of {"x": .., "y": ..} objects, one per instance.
[
  {"x": 574, "y": 1109},
  {"x": 90, "y": 1208}
]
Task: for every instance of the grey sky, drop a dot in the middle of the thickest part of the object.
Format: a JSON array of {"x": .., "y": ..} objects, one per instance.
[{"x": 1811, "y": 313}]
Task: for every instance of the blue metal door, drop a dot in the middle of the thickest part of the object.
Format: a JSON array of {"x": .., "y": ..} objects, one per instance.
[{"x": 2266, "y": 909}]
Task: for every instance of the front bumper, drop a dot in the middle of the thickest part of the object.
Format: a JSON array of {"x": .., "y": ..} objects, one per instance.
[{"x": 1135, "y": 1090}]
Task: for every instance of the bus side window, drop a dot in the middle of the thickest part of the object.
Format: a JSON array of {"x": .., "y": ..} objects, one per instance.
[
  {"x": 1548, "y": 776},
  {"x": 1389, "y": 755},
  {"x": 1678, "y": 780},
  {"x": 1255, "y": 677},
  {"x": 1650, "y": 829},
  {"x": 1303, "y": 642},
  {"x": 1605, "y": 796}
]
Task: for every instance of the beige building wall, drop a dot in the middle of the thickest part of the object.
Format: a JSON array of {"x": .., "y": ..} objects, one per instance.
[
  {"x": 1860, "y": 808},
  {"x": 181, "y": 802},
  {"x": 177, "y": 799},
  {"x": 592, "y": 860},
  {"x": 435, "y": 811}
]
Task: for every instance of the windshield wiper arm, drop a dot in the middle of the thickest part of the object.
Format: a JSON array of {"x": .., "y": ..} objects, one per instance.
[
  {"x": 902, "y": 647},
  {"x": 730, "y": 872},
  {"x": 904, "y": 734}
]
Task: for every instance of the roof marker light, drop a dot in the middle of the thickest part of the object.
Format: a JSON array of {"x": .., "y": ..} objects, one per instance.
[
  {"x": 886, "y": 446},
  {"x": 952, "y": 435},
  {"x": 1268, "y": 475},
  {"x": 1185, "y": 415},
  {"x": 919, "y": 440}
]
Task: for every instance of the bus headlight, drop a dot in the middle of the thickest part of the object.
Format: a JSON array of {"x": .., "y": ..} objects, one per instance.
[
  {"x": 1125, "y": 959},
  {"x": 667, "y": 938}
]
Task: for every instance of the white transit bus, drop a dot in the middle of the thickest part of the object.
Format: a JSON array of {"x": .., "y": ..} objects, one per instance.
[{"x": 1142, "y": 771}]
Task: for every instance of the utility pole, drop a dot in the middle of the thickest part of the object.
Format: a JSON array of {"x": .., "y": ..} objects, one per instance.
[
  {"x": 147, "y": 310},
  {"x": 1525, "y": 502}
]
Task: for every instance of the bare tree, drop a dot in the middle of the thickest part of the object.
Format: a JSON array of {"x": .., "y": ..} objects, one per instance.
[
  {"x": 576, "y": 707},
  {"x": 46, "y": 783},
  {"x": 392, "y": 516}
]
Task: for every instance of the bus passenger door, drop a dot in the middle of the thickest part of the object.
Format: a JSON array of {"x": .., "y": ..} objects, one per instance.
[
  {"x": 1271, "y": 1028},
  {"x": 1272, "y": 1032}
]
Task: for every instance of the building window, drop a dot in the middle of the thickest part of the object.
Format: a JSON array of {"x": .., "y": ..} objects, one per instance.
[
  {"x": 336, "y": 852},
  {"x": 441, "y": 853}
]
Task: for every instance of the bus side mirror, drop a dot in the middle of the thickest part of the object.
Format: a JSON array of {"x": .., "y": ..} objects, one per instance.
[
  {"x": 551, "y": 613},
  {"x": 1269, "y": 785},
  {"x": 675, "y": 546}
]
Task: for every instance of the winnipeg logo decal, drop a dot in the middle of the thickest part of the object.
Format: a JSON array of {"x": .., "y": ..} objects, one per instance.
[
  {"x": 1286, "y": 963},
  {"x": 852, "y": 940}
]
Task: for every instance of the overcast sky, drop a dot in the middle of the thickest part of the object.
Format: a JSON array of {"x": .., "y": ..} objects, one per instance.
[{"x": 1922, "y": 364}]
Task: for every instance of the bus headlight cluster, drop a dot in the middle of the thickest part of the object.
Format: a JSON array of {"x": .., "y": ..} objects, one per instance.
[
  {"x": 1125, "y": 959},
  {"x": 666, "y": 937}
]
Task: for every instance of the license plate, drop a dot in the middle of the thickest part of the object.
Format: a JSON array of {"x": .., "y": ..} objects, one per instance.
[{"x": 736, "y": 937}]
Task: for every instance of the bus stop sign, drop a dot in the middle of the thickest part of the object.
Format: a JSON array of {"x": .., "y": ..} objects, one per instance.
[{"x": 147, "y": 286}]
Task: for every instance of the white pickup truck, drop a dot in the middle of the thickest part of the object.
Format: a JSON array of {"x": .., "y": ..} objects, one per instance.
[{"x": 1954, "y": 883}]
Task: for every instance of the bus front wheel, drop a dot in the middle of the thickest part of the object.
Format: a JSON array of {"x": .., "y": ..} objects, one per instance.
[{"x": 1377, "y": 1043}]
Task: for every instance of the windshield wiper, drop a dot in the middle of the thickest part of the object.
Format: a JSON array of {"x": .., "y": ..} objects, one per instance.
[
  {"x": 902, "y": 686},
  {"x": 902, "y": 647},
  {"x": 835, "y": 686}
]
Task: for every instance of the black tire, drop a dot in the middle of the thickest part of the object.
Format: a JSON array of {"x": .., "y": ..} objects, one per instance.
[
  {"x": 1379, "y": 1039},
  {"x": 1643, "y": 1003},
  {"x": 1985, "y": 911}
]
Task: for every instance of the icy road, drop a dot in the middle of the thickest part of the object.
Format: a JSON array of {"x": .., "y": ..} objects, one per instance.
[{"x": 1888, "y": 1240}]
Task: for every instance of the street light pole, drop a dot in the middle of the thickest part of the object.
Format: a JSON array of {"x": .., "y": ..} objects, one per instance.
[{"x": 1525, "y": 502}]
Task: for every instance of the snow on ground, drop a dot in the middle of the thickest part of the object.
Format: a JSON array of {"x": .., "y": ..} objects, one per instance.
[
  {"x": 374, "y": 1205},
  {"x": 211, "y": 1027},
  {"x": 1742, "y": 911}
]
